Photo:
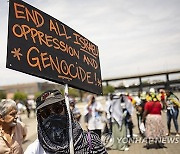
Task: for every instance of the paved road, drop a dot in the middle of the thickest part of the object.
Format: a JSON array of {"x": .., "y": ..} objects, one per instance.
[{"x": 135, "y": 148}]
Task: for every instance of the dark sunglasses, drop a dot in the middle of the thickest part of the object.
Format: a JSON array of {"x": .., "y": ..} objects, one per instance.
[{"x": 57, "y": 108}]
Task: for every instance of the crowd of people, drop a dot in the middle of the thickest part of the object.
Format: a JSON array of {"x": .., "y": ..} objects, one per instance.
[
  {"x": 118, "y": 112},
  {"x": 114, "y": 118},
  {"x": 148, "y": 107}
]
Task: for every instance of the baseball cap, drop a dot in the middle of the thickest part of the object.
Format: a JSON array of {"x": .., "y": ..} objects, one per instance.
[{"x": 49, "y": 97}]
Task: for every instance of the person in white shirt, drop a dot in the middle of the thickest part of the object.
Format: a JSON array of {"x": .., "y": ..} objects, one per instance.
[{"x": 95, "y": 111}]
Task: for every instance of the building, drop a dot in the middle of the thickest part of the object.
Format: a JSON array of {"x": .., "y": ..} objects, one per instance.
[{"x": 29, "y": 88}]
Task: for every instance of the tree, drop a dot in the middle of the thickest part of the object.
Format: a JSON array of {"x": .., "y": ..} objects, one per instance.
[
  {"x": 20, "y": 96},
  {"x": 2, "y": 95},
  {"x": 108, "y": 89},
  {"x": 73, "y": 92},
  {"x": 37, "y": 94}
]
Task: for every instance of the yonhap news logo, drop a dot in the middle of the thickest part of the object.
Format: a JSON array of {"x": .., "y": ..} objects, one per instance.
[
  {"x": 164, "y": 140},
  {"x": 108, "y": 140}
]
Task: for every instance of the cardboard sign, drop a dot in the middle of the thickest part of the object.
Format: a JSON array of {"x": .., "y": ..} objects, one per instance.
[{"x": 42, "y": 46}]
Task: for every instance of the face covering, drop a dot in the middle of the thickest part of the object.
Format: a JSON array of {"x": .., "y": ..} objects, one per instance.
[
  {"x": 54, "y": 141},
  {"x": 55, "y": 127}
]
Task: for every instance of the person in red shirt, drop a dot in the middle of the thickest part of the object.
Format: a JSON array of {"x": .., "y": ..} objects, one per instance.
[{"x": 154, "y": 125}]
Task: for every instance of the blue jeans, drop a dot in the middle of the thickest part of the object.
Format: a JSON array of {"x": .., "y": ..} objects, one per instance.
[{"x": 173, "y": 115}]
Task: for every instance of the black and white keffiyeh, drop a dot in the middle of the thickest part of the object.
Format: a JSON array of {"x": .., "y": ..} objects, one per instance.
[
  {"x": 80, "y": 140},
  {"x": 53, "y": 136}
]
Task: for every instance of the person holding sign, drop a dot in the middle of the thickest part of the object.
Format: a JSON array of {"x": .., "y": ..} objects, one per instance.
[{"x": 53, "y": 126}]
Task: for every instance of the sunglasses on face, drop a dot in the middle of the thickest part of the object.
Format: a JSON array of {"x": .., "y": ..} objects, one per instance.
[{"x": 56, "y": 108}]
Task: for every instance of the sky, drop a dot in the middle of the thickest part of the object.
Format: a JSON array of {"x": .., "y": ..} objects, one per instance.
[{"x": 133, "y": 36}]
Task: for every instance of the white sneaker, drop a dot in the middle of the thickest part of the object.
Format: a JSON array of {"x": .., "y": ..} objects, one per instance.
[
  {"x": 167, "y": 134},
  {"x": 126, "y": 149},
  {"x": 177, "y": 135}
]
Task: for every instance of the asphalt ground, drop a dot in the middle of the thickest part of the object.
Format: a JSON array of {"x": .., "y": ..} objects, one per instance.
[{"x": 171, "y": 146}]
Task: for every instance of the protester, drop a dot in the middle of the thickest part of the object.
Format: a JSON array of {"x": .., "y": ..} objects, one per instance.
[
  {"x": 12, "y": 131},
  {"x": 154, "y": 125},
  {"x": 129, "y": 108},
  {"x": 53, "y": 129},
  {"x": 130, "y": 98},
  {"x": 28, "y": 108},
  {"x": 95, "y": 111},
  {"x": 32, "y": 106},
  {"x": 172, "y": 103},
  {"x": 119, "y": 131},
  {"x": 140, "y": 103},
  {"x": 19, "y": 109},
  {"x": 75, "y": 111},
  {"x": 108, "y": 126},
  {"x": 162, "y": 95}
]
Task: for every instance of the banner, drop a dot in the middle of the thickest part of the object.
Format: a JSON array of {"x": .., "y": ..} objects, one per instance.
[{"x": 42, "y": 46}]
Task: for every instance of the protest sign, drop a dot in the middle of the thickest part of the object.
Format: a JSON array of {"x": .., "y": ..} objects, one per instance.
[{"x": 42, "y": 46}]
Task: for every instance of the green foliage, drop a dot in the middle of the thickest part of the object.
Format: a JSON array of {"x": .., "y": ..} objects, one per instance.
[
  {"x": 37, "y": 94},
  {"x": 20, "y": 96},
  {"x": 2, "y": 95},
  {"x": 62, "y": 91},
  {"x": 73, "y": 92},
  {"x": 108, "y": 89}
]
